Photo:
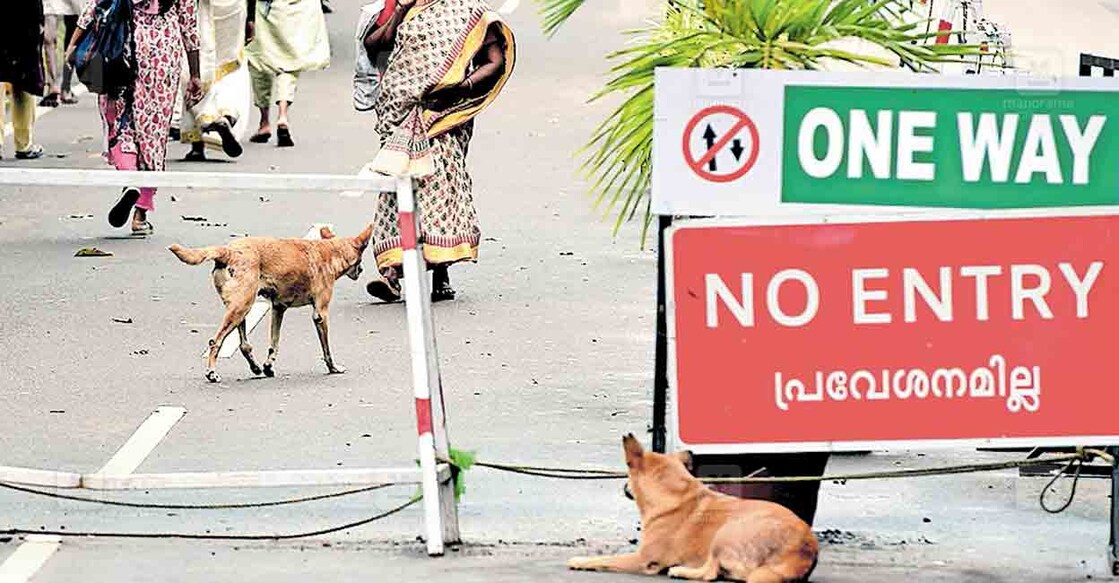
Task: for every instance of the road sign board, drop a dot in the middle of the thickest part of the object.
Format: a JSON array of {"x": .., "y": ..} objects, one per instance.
[
  {"x": 798, "y": 335},
  {"x": 827, "y": 141},
  {"x": 720, "y": 144}
]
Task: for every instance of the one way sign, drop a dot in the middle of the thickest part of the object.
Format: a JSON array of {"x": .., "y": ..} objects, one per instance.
[{"x": 720, "y": 143}]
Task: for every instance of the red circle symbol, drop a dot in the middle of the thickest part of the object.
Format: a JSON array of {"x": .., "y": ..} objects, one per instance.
[{"x": 741, "y": 122}]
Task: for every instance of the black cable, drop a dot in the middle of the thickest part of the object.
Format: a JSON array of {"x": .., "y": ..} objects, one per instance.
[{"x": 192, "y": 506}]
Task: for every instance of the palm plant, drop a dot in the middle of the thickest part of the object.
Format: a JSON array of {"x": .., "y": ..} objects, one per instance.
[{"x": 765, "y": 34}]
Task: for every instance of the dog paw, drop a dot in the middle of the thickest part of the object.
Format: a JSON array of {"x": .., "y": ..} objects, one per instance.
[
  {"x": 212, "y": 376},
  {"x": 677, "y": 572},
  {"x": 580, "y": 563},
  {"x": 268, "y": 371}
]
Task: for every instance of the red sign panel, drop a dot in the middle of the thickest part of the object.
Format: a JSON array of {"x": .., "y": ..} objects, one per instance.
[{"x": 839, "y": 336}]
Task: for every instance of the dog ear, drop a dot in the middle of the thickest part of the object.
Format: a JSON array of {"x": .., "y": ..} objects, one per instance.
[
  {"x": 325, "y": 232},
  {"x": 685, "y": 458},
  {"x": 634, "y": 451},
  {"x": 361, "y": 241}
]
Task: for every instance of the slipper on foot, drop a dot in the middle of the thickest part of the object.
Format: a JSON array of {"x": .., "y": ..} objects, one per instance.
[
  {"x": 118, "y": 216},
  {"x": 283, "y": 137},
  {"x": 229, "y": 143},
  {"x": 261, "y": 137}
]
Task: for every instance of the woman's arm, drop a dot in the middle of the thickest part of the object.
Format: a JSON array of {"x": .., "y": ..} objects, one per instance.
[
  {"x": 488, "y": 64},
  {"x": 385, "y": 35}
]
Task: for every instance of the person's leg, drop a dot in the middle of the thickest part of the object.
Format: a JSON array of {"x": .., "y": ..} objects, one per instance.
[
  {"x": 51, "y": 71},
  {"x": 23, "y": 122},
  {"x": 70, "y": 24},
  {"x": 262, "y": 98},
  {"x": 284, "y": 92}
]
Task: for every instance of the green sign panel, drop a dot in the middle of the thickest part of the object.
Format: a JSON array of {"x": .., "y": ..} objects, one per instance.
[{"x": 947, "y": 147}]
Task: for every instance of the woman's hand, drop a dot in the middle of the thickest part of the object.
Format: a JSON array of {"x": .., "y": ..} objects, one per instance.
[
  {"x": 446, "y": 97},
  {"x": 194, "y": 92}
]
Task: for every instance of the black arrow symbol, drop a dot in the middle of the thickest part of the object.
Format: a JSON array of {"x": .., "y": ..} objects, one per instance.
[
  {"x": 709, "y": 135},
  {"x": 737, "y": 149}
]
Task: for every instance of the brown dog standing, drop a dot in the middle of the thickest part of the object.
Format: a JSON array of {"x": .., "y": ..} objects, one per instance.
[
  {"x": 697, "y": 533},
  {"x": 289, "y": 272}
]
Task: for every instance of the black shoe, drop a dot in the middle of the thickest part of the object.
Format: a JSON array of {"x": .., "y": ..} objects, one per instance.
[
  {"x": 120, "y": 212},
  {"x": 229, "y": 144},
  {"x": 174, "y": 135}
]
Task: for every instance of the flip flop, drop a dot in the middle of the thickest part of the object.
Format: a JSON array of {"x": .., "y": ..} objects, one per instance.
[
  {"x": 144, "y": 230},
  {"x": 118, "y": 216},
  {"x": 195, "y": 156},
  {"x": 383, "y": 290},
  {"x": 69, "y": 99},
  {"x": 261, "y": 137},
  {"x": 229, "y": 143},
  {"x": 283, "y": 137},
  {"x": 49, "y": 100}
]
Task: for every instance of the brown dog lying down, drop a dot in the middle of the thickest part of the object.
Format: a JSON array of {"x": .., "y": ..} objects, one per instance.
[
  {"x": 697, "y": 533},
  {"x": 289, "y": 272}
]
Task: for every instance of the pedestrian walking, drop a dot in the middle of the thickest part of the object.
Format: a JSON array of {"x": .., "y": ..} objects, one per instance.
[
  {"x": 220, "y": 118},
  {"x": 59, "y": 73},
  {"x": 290, "y": 39},
  {"x": 136, "y": 119},
  {"x": 448, "y": 59},
  {"x": 21, "y": 72}
]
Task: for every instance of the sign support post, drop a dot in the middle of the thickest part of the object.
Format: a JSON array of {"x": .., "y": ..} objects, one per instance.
[{"x": 660, "y": 364}]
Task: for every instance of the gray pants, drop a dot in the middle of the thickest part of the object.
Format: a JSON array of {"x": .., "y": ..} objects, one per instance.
[{"x": 55, "y": 67}]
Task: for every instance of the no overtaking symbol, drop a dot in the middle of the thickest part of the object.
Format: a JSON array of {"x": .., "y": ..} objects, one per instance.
[{"x": 715, "y": 130}]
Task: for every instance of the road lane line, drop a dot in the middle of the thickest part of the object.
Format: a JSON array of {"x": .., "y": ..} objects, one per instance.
[
  {"x": 143, "y": 441},
  {"x": 22, "y": 565}
]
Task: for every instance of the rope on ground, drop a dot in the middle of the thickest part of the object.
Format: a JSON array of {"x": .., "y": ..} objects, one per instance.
[
  {"x": 601, "y": 474},
  {"x": 192, "y": 536},
  {"x": 283, "y": 502}
]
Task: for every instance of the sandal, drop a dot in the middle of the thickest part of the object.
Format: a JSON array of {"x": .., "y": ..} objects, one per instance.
[
  {"x": 118, "y": 216},
  {"x": 32, "y": 153},
  {"x": 443, "y": 293},
  {"x": 385, "y": 290},
  {"x": 69, "y": 98},
  {"x": 229, "y": 143},
  {"x": 144, "y": 229},
  {"x": 195, "y": 156},
  {"x": 283, "y": 137},
  {"x": 261, "y": 137},
  {"x": 49, "y": 100}
]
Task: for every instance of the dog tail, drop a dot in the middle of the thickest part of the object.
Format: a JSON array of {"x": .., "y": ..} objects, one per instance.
[{"x": 197, "y": 256}]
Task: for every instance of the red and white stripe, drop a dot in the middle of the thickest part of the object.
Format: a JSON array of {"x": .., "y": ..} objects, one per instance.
[{"x": 417, "y": 301}]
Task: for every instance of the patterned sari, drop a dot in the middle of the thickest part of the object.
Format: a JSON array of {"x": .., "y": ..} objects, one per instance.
[{"x": 434, "y": 48}]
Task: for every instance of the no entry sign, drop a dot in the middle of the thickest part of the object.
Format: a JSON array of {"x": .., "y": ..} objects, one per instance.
[{"x": 854, "y": 335}]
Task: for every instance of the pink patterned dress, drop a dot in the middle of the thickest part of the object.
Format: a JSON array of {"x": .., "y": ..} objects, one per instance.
[{"x": 137, "y": 125}]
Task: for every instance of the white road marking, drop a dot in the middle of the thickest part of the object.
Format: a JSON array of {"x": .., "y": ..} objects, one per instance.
[
  {"x": 79, "y": 91},
  {"x": 22, "y": 565},
  {"x": 31, "y": 477},
  {"x": 260, "y": 308},
  {"x": 143, "y": 441}
]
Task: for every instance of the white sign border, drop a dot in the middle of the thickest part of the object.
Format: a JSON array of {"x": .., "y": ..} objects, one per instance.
[{"x": 918, "y": 215}]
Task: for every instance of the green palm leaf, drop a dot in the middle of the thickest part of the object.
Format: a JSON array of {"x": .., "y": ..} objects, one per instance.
[{"x": 767, "y": 34}]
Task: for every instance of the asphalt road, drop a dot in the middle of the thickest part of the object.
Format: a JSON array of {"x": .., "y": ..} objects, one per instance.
[{"x": 546, "y": 358}]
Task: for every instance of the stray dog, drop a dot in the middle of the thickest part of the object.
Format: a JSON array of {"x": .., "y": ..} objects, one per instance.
[
  {"x": 289, "y": 272},
  {"x": 697, "y": 533}
]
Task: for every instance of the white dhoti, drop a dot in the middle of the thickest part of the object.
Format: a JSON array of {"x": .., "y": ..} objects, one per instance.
[{"x": 224, "y": 72}]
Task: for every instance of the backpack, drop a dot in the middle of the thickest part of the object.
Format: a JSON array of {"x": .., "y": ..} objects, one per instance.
[
  {"x": 367, "y": 72},
  {"x": 103, "y": 57}
]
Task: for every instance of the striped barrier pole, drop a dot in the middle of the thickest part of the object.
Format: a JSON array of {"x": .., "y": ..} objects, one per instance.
[{"x": 440, "y": 513}]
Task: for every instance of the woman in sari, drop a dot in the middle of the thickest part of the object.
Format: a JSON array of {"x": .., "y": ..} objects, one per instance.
[
  {"x": 448, "y": 60},
  {"x": 136, "y": 121},
  {"x": 219, "y": 120}
]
